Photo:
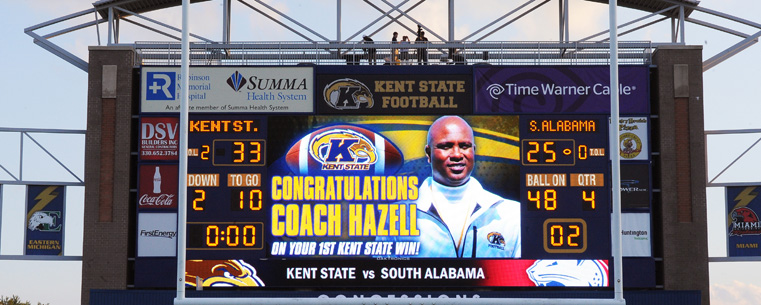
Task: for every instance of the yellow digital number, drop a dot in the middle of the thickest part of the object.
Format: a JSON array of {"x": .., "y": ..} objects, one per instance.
[
  {"x": 205, "y": 152},
  {"x": 532, "y": 151},
  {"x": 233, "y": 231},
  {"x": 559, "y": 241},
  {"x": 589, "y": 200},
  {"x": 209, "y": 233},
  {"x": 550, "y": 152},
  {"x": 550, "y": 199},
  {"x": 198, "y": 201},
  {"x": 257, "y": 151},
  {"x": 576, "y": 233},
  {"x": 249, "y": 242},
  {"x": 583, "y": 152},
  {"x": 239, "y": 151}
]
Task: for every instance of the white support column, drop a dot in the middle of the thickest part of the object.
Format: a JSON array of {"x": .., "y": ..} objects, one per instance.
[
  {"x": 182, "y": 192},
  {"x": 226, "y": 21},
  {"x": 615, "y": 221},
  {"x": 451, "y": 21},
  {"x": 681, "y": 25},
  {"x": 338, "y": 20},
  {"x": 110, "y": 25}
]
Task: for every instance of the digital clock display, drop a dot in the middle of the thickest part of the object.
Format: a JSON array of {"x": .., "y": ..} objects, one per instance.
[{"x": 222, "y": 235}]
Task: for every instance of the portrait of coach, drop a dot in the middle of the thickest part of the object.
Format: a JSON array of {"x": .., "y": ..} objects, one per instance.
[{"x": 456, "y": 216}]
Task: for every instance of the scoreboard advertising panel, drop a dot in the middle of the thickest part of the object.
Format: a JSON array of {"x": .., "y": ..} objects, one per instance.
[{"x": 392, "y": 177}]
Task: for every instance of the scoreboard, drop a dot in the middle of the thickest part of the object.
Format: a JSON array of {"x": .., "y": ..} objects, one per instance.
[{"x": 344, "y": 192}]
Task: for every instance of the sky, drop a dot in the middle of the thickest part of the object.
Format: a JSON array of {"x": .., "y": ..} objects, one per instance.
[{"x": 40, "y": 90}]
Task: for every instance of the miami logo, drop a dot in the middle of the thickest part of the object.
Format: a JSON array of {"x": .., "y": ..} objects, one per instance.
[
  {"x": 343, "y": 149},
  {"x": 744, "y": 222}
]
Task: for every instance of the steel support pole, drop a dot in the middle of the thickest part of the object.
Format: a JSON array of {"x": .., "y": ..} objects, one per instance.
[
  {"x": 615, "y": 221},
  {"x": 182, "y": 181}
]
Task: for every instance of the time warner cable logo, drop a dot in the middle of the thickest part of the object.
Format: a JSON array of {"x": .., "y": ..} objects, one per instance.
[{"x": 160, "y": 86}]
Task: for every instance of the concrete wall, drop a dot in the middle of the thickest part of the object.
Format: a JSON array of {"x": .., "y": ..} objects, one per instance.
[
  {"x": 681, "y": 204},
  {"x": 107, "y": 170}
]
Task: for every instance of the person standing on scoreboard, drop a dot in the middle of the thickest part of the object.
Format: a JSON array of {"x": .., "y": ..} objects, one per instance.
[{"x": 456, "y": 216}]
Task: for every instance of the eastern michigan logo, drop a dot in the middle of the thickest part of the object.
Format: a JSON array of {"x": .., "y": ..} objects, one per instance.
[
  {"x": 160, "y": 86},
  {"x": 744, "y": 222},
  {"x": 631, "y": 145},
  {"x": 236, "y": 81},
  {"x": 45, "y": 221},
  {"x": 343, "y": 149},
  {"x": 348, "y": 93}
]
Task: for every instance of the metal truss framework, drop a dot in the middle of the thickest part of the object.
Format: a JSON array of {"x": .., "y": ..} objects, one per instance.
[
  {"x": 113, "y": 12},
  {"x": 26, "y": 135},
  {"x": 711, "y": 183}
]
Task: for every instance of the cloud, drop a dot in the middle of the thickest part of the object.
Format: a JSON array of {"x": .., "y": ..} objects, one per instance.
[{"x": 736, "y": 293}]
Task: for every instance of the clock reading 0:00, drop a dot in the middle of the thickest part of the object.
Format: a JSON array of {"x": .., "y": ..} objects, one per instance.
[
  {"x": 205, "y": 236},
  {"x": 564, "y": 235}
]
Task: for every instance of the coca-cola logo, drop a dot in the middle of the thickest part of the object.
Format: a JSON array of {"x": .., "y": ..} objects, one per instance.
[{"x": 160, "y": 200}]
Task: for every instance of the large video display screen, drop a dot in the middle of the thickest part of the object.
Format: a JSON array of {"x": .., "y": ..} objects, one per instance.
[{"x": 398, "y": 179}]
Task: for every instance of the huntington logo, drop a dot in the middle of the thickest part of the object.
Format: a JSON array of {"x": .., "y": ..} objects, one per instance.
[
  {"x": 236, "y": 81},
  {"x": 160, "y": 86},
  {"x": 45, "y": 221}
]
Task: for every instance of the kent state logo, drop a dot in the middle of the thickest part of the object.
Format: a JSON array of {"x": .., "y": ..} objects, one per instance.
[
  {"x": 348, "y": 93},
  {"x": 496, "y": 240},
  {"x": 343, "y": 149},
  {"x": 160, "y": 86},
  {"x": 236, "y": 81}
]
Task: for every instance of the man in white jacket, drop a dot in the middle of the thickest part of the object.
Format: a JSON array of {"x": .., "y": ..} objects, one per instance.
[{"x": 456, "y": 216}]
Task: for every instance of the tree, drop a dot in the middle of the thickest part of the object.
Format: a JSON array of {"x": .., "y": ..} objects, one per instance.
[{"x": 14, "y": 300}]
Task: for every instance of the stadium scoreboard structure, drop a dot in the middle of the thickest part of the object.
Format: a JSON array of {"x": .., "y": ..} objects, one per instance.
[{"x": 310, "y": 177}]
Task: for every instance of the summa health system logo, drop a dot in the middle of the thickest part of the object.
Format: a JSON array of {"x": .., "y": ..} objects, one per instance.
[
  {"x": 236, "y": 81},
  {"x": 343, "y": 149},
  {"x": 347, "y": 93},
  {"x": 160, "y": 86}
]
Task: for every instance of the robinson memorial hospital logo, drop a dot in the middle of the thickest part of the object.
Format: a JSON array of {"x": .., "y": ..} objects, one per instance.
[{"x": 160, "y": 86}]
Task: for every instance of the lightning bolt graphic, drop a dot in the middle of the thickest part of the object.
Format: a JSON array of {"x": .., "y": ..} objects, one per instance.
[
  {"x": 46, "y": 196},
  {"x": 743, "y": 199}
]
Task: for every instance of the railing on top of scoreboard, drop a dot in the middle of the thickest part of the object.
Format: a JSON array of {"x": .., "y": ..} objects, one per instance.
[{"x": 357, "y": 53}]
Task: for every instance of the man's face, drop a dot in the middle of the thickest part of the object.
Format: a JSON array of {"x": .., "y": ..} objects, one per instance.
[{"x": 451, "y": 151}]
